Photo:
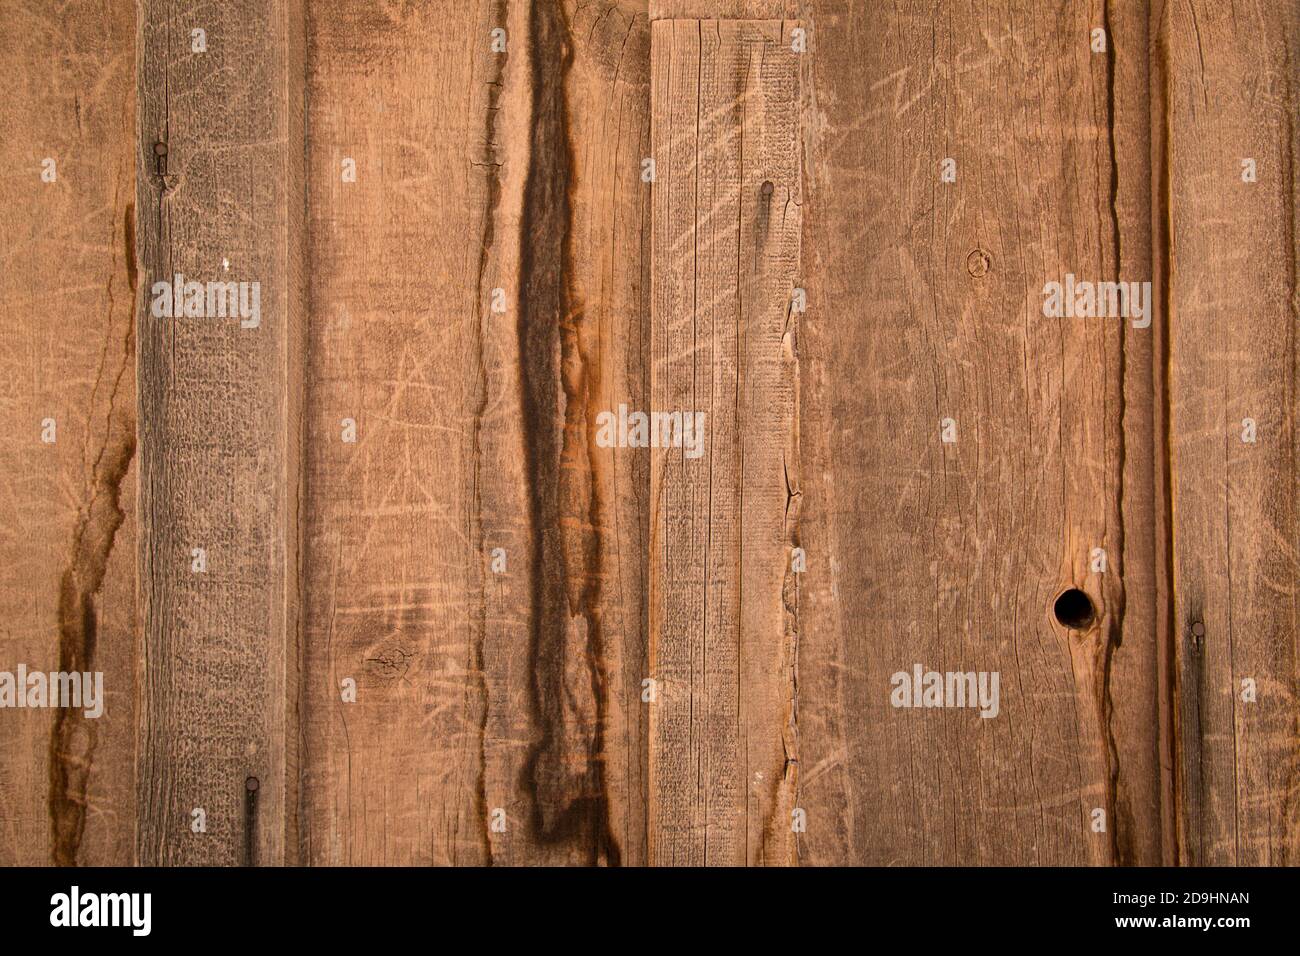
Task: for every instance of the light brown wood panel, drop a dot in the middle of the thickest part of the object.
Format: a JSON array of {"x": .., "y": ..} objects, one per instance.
[
  {"x": 584, "y": 649},
  {"x": 67, "y": 546},
  {"x": 607, "y": 88},
  {"x": 725, "y": 256},
  {"x": 1229, "y": 96},
  {"x": 220, "y": 195},
  {"x": 477, "y": 298},
  {"x": 925, "y": 305},
  {"x": 395, "y": 577}
]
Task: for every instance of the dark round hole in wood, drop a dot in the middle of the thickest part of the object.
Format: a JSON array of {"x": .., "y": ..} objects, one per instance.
[{"x": 1073, "y": 609}]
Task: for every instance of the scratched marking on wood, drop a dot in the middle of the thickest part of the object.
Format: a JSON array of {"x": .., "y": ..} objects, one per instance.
[
  {"x": 727, "y": 197},
  {"x": 67, "y": 546},
  {"x": 1231, "y": 288}
]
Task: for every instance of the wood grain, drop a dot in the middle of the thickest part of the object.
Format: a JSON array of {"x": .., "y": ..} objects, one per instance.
[
  {"x": 220, "y": 199},
  {"x": 725, "y": 255},
  {"x": 67, "y": 550},
  {"x": 727, "y": 9},
  {"x": 926, "y": 304},
  {"x": 442, "y": 618},
  {"x": 608, "y": 92},
  {"x": 393, "y": 572},
  {"x": 1229, "y": 95},
  {"x": 498, "y": 717}
]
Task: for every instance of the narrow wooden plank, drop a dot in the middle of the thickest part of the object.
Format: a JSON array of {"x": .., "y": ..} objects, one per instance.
[
  {"x": 584, "y": 652},
  {"x": 1230, "y": 266},
  {"x": 497, "y": 716},
  {"x": 1137, "y": 704},
  {"x": 403, "y": 183},
  {"x": 67, "y": 421},
  {"x": 607, "y": 90},
  {"x": 220, "y": 198},
  {"x": 726, "y": 248},
  {"x": 926, "y": 315}
]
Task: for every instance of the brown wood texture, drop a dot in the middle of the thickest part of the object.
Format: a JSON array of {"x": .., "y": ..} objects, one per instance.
[
  {"x": 927, "y": 306},
  {"x": 1229, "y": 87},
  {"x": 67, "y": 545},
  {"x": 219, "y": 198},
  {"x": 441, "y": 617},
  {"x": 723, "y": 605},
  {"x": 478, "y": 295}
]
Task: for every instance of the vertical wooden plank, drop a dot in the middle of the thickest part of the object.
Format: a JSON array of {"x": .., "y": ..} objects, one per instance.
[
  {"x": 67, "y": 546},
  {"x": 220, "y": 199},
  {"x": 1230, "y": 267},
  {"x": 1137, "y": 702},
  {"x": 396, "y": 581},
  {"x": 475, "y": 562},
  {"x": 725, "y": 247},
  {"x": 926, "y": 310},
  {"x": 577, "y": 649},
  {"x": 607, "y": 90}
]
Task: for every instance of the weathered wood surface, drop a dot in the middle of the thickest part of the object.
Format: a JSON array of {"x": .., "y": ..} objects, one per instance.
[
  {"x": 569, "y": 653},
  {"x": 394, "y": 591},
  {"x": 67, "y": 544},
  {"x": 1229, "y": 92},
  {"x": 723, "y": 600},
  {"x": 926, "y": 306},
  {"x": 219, "y": 198},
  {"x": 477, "y": 297},
  {"x": 609, "y": 91}
]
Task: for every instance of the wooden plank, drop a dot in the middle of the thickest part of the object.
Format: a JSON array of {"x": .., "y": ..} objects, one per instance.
[
  {"x": 1230, "y": 262},
  {"x": 219, "y": 199},
  {"x": 607, "y": 93},
  {"x": 725, "y": 248},
  {"x": 392, "y": 573},
  {"x": 925, "y": 305},
  {"x": 1137, "y": 700},
  {"x": 584, "y": 652},
  {"x": 498, "y": 715},
  {"x": 67, "y": 548}
]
